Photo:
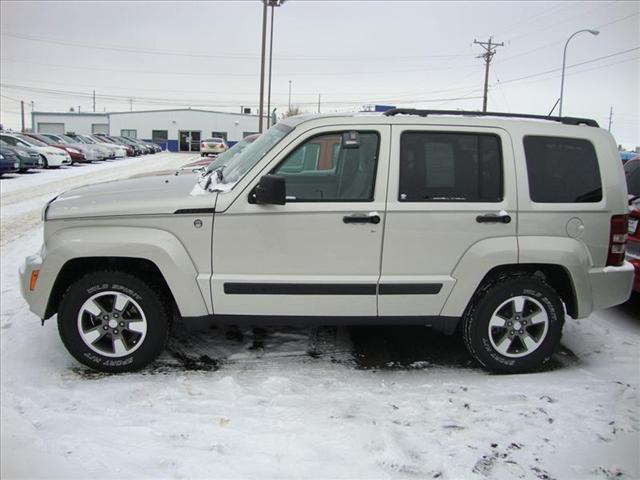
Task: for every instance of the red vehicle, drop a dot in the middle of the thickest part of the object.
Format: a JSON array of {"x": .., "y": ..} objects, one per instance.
[
  {"x": 76, "y": 155},
  {"x": 632, "y": 173}
]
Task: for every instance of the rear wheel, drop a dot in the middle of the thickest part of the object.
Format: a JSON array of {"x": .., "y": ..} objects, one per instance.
[
  {"x": 45, "y": 163},
  {"x": 514, "y": 324},
  {"x": 113, "y": 322}
]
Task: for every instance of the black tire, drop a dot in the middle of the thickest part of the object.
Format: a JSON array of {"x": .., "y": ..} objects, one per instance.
[
  {"x": 106, "y": 281},
  {"x": 475, "y": 323},
  {"x": 45, "y": 164}
]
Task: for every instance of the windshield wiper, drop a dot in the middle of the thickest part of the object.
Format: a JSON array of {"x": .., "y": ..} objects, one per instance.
[{"x": 219, "y": 173}]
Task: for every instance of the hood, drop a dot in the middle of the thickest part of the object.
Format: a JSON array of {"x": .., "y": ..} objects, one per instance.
[{"x": 151, "y": 195}]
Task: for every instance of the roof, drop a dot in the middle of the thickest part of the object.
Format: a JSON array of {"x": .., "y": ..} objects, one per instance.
[{"x": 75, "y": 114}]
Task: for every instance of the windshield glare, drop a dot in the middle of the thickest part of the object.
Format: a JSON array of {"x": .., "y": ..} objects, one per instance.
[
  {"x": 66, "y": 139},
  {"x": 224, "y": 158},
  {"x": 240, "y": 164}
]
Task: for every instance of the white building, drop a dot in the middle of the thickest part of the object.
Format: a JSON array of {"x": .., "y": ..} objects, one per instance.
[{"x": 175, "y": 129}]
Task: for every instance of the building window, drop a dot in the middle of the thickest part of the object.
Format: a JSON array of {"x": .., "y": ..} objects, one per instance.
[
  {"x": 246, "y": 134},
  {"x": 129, "y": 133},
  {"x": 159, "y": 136},
  {"x": 222, "y": 135}
]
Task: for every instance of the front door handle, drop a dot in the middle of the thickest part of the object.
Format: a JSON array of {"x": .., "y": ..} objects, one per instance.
[
  {"x": 371, "y": 217},
  {"x": 502, "y": 217}
]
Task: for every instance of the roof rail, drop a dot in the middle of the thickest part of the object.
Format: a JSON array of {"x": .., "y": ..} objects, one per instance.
[{"x": 467, "y": 113}]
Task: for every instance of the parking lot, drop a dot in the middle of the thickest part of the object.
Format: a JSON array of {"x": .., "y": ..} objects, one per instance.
[{"x": 361, "y": 402}]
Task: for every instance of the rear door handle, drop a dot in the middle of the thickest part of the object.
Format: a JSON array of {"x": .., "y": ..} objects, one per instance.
[
  {"x": 502, "y": 217},
  {"x": 371, "y": 217}
]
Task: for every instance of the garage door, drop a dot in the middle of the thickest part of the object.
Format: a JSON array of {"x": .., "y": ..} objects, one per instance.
[
  {"x": 100, "y": 128},
  {"x": 55, "y": 128}
]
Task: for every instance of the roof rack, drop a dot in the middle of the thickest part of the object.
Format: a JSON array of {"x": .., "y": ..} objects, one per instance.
[{"x": 426, "y": 113}]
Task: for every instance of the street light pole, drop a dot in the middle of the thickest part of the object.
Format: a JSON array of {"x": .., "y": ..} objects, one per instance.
[
  {"x": 564, "y": 62},
  {"x": 272, "y": 4},
  {"x": 289, "y": 95},
  {"x": 264, "y": 41}
]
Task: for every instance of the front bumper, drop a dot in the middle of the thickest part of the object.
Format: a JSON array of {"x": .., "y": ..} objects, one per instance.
[{"x": 35, "y": 298}]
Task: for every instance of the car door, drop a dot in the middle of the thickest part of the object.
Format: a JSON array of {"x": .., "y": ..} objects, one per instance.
[
  {"x": 451, "y": 190},
  {"x": 319, "y": 254}
]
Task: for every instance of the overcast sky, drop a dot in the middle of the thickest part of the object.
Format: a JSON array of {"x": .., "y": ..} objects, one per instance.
[{"x": 414, "y": 54}]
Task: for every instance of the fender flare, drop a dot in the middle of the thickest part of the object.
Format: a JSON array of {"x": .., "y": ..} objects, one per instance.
[{"x": 160, "y": 247}]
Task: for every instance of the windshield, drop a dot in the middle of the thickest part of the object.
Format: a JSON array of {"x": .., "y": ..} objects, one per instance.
[
  {"x": 43, "y": 139},
  {"x": 240, "y": 164},
  {"x": 81, "y": 139},
  {"x": 31, "y": 141},
  {"x": 224, "y": 158}
]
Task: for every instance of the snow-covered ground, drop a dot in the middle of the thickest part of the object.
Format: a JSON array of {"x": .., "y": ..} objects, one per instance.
[{"x": 304, "y": 403}]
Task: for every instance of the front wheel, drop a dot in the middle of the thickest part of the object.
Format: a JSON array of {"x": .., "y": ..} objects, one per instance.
[
  {"x": 45, "y": 163},
  {"x": 113, "y": 322},
  {"x": 514, "y": 325}
]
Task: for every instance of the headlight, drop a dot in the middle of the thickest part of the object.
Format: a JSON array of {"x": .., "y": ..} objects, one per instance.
[
  {"x": 73, "y": 150},
  {"x": 16, "y": 165},
  {"x": 1, "y": 157}
]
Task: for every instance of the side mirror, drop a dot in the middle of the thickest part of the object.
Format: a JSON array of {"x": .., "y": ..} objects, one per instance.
[
  {"x": 350, "y": 140},
  {"x": 270, "y": 190}
]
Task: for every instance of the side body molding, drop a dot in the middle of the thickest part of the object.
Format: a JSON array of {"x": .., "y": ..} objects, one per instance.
[{"x": 158, "y": 246}]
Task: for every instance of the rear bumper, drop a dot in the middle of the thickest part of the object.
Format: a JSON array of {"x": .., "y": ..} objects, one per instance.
[
  {"x": 635, "y": 261},
  {"x": 611, "y": 285}
]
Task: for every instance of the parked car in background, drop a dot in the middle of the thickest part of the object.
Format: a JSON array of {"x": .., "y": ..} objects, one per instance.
[
  {"x": 132, "y": 149},
  {"x": 76, "y": 154},
  {"x": 107, "y": 153},
  {"x": 53, "y": 157},
  {"x": 626, "y": 156},
  {"x": 632, "y": 174},
  {"x": 221, "y": 160},
  {"x": 213, "y": 146},
  {"x": 156, "y": 148},
  {"x": 91, "y": 152},
  {"x": 28, "y": 157},
  {"x": 121, "y": 151},
  {"x": 145, "y": 148},
  {"x": 9, "y": 162}
]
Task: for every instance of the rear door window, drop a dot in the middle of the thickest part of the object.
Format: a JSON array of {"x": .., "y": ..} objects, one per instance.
[
  {"x": 562, "y": 170},
  {"x": 450, "y": 167}
]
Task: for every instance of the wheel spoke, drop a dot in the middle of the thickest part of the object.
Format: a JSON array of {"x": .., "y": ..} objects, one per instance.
[
  {"x": 93, "y": 334},
  {"x": 121, "y": 302},
  {"x": 504, "y": 344},
  {"x": 537, "y": 317},
  {"x": 119, "y": 348},
  {"x": 93, "y": 308},
  {"x": 497, "y": 321},
  {"x": 518, "y": 304},
  {"x": 138, "y": 326},
  {"x": 529, "y": 342}
]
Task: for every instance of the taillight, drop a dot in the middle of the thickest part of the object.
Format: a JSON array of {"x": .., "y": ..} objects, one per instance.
[
  {"x": 202, "y": 145},
  {"x": 617, "y": 240}
]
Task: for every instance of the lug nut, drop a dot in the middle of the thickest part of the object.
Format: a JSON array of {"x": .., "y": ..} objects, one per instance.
[
  {"x": 521, "y": 332},
  {"x": 122, "y": 324},
  {"x": 115, "y": 315},
  {"x": 115, "y": 330},
  {"x": 105, "y": 317},
  {"x": 105, "y": 327},
  {"x": 509, "y": 324}
]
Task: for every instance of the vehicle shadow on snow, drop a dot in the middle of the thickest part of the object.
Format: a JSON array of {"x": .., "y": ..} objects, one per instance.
[{"x": 386, "y": 348}]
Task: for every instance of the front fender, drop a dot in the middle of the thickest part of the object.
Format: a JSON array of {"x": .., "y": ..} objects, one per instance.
[{"x": 158, "y": 246}]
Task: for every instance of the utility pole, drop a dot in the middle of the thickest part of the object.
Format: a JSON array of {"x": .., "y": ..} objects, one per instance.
[
  {"x": 264, "y": 41},
  {"x": 610, "y": 117},
  {"x": 22, "y": 114},
  {"x": 289, "y": 94},
  {"x": 94, "y": 101},
  {"x": 33, "y": 106},
  {"x": 489, "y": 51},
  {"x": 319, "y": 95}
]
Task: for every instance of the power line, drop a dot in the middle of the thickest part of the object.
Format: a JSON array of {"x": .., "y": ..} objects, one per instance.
[{"x": 149, "y": 51}]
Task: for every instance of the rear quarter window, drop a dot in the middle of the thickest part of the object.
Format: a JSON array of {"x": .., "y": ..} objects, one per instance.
[{"x": 562, "y": 170}]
